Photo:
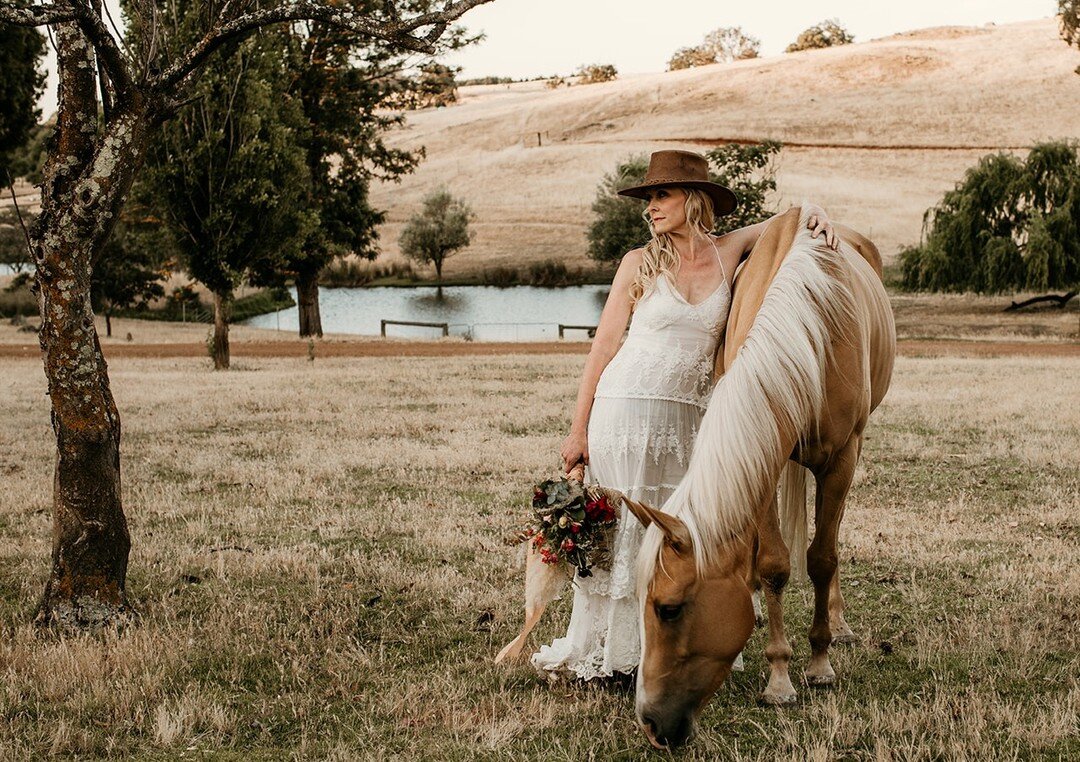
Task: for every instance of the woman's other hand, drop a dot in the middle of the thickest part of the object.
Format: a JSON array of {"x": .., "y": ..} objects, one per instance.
[
  {"x": 819, "y": 222},
  {"x": 574, "y": 448}
]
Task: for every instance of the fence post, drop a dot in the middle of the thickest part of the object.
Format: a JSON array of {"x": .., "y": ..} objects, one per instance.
[{"x": 382, "y": 328}]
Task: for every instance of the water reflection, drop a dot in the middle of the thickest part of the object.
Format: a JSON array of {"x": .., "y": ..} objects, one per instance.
[{"x": 484, "y": 313}]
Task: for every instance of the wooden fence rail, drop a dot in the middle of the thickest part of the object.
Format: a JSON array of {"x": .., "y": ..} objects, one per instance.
[
  {"x": 590, "y": 328},
  {"x": 444, "y": 326}
]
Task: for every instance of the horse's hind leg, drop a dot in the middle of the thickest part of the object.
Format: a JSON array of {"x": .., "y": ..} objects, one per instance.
[
  {"x": 773, "y": 569},
  {"x": 821, "y": 557}
]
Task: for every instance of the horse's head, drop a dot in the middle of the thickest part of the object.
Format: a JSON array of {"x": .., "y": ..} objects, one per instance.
[{"x": 692, "y": 626}]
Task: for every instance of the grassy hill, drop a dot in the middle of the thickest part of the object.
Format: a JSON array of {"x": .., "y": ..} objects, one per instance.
[{"x": 875, "y": 132}]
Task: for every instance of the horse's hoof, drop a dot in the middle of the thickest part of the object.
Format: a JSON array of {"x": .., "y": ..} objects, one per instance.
[
  {"x": 778, "y": 699},
  {"x": 845, "y": 639},
  {"x": 820, "y": 681}
]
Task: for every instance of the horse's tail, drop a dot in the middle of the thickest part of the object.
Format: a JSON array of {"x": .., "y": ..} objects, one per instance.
[{"x": 793, "y": 525}]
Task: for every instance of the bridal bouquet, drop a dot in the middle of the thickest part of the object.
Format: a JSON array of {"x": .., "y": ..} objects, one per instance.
[{"x": 572, "y": 523}]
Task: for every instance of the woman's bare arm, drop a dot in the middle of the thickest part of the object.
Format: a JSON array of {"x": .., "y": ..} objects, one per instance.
[
  {"x": 818, "y": 222},
  {"x": 609, "y": 333}
]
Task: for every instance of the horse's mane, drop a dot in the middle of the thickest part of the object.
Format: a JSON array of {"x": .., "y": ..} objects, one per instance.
[{"x": 775, "y": 384}]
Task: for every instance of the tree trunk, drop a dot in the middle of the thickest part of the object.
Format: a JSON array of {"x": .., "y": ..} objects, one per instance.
[
  {"x": 219, "y": 349},
  {"x": 85, "y": 181},
  {"x": 307, "y": 298},
  {"x": 108, "y": 324}
]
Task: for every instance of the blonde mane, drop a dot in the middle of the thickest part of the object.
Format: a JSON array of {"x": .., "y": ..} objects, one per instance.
[{"x": 774, "y": 385}]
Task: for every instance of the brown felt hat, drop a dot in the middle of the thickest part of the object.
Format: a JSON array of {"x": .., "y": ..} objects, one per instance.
[{"x": 686, "y": 169}]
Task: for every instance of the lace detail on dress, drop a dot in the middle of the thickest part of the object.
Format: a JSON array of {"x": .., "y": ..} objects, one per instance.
[
  {"x": 670, "y": 349},
  {"x": 642, "y": 435}
]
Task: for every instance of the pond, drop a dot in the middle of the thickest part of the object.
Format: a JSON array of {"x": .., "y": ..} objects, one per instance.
[{"x": 483, "y": 313}]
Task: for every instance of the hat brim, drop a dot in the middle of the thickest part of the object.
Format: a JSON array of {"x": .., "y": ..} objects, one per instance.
[{"x": 724, "y": 199}]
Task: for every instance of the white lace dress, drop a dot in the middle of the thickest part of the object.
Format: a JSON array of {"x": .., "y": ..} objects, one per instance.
[{"x": 648, "y": 404}]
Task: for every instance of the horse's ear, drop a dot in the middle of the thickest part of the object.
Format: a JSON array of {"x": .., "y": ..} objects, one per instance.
[{"x": 675, "y": 531}]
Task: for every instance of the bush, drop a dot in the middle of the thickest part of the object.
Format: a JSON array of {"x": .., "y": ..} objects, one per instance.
[
  {"x": 353, "y": 273},
  {"x": 722, "y": 45},
  {"x": 1009, "y": 225},
  {"x": 826, "y": 34},
  {"x": 618, "y": 227},
  {"x": 500, "y": 276},
  {"x": 18, "y": 301},
  {"x": 591, "y": 74}
]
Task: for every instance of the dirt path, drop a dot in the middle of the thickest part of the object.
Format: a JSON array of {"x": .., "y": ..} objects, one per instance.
[{"x": 913, "y": 348}]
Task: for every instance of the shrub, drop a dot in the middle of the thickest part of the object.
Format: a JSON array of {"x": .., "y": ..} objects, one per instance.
[
  {"x": 826, "y": 34},
  {"x": 550, "y": 273},
  {"x": 1009, "y": 225},
  {"x": 500, "y": 276},
  {"x": 721, "y": 45},
  {"x": 591, "y": 74}
]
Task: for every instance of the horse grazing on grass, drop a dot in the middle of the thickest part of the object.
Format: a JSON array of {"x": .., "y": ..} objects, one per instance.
[{"x": 808, "y": 354}]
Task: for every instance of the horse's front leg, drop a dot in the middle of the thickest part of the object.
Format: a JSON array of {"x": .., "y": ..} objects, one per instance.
[
  {"x": 821, "y": 557},
  {"x": 838, "y": 626},
  {"x": 773, "y": 569}
]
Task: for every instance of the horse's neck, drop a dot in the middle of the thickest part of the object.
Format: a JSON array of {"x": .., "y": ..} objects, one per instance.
[{"x": 754, "y": 278}]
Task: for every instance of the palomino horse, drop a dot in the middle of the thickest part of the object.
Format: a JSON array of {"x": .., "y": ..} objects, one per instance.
[{"x": 808, "y": 353}]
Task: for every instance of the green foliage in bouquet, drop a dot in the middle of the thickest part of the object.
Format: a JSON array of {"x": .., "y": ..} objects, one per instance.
[{"x": 572, "y": 523}]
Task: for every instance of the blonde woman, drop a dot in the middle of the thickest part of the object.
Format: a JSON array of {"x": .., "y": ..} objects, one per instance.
[{"x": 640, "y": 401}]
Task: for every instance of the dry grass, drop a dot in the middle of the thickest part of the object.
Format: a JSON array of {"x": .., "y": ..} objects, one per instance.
[
  {"x": 318, "y": 549},
  {"x": 931, "y": 88}
]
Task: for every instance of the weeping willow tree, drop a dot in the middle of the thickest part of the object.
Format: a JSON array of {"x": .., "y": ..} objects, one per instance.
[{"x": 1010, "y": 225}]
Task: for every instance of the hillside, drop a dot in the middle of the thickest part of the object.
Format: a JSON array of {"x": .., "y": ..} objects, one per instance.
[{"x": 874, "y": 131}]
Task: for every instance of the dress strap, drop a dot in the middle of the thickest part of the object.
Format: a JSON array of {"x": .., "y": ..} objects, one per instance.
[{"x": 719, "y": 261}]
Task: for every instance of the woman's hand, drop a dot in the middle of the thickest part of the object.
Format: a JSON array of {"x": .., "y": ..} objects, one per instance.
[
  {"x": 574, "y": 448},
  {"x": 819, "y": 222}
]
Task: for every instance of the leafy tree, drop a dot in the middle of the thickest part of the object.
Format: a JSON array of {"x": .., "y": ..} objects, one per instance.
[
  {"x": 131, "y": 268},
  {"x": 1069, "y": 17},
  {"x": 13, "y": 251},
  {"x": 438, "y": 231},
  {"x": 116, "y": 98},
  {"x": 229, "y": 178},
  {"x": 1009, "y": 225},
  {"x": 591, "y": 74},
  {"x": 20, "y": 51},
  {"x": 825, "y": 34},
  {"x": 722, "y": 45},
  {"x": 618, "y": 225},
  {"x": 750, "y": 171},
  {"x": 345, "y": 83}
]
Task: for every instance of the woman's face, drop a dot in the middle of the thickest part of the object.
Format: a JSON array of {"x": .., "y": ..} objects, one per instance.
[{"x": 667, "y": 209}]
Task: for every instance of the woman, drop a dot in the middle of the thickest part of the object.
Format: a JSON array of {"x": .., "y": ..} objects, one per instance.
[{"x": 639, "y": 404}]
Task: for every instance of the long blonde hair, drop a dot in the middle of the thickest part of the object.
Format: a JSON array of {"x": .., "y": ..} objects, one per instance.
[{"x": 661, "y": 257}]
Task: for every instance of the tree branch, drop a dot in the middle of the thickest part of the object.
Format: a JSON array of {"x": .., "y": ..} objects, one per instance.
[
  {"x": 396, "y": 30},
  {"x": 35, "y": 15},
  {"x": 116, "y": 64}
]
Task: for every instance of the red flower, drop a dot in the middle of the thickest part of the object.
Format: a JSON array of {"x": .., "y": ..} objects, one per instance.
[
  {"x": 575, "y": 527},
  {"x": 600, "y": 511},
  {"x": 567, "y": 544},
  {"x": 548, "y": 557},
  {"x": 538, "y": 541}
]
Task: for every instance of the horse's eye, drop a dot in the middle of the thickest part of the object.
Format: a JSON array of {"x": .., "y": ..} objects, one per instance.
[{"x": 668, "y": 613}]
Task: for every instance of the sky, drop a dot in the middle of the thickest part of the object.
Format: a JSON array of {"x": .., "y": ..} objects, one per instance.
[{"x": 528, "y": 38}]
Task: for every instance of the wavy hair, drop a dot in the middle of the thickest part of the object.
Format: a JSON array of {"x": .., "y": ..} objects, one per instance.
[{"x": 661, "y": 257}]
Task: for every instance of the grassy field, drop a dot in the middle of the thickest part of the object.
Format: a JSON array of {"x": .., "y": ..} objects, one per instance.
[{"x": 321, "y": 567}]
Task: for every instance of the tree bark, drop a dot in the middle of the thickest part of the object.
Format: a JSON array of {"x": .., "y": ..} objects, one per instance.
[
  {"x": 1061, "y": 301},
  {"x": 219, "y": 349},
  {"x": 307, "y": 298},
  {"x": 85, "y": 181}
]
